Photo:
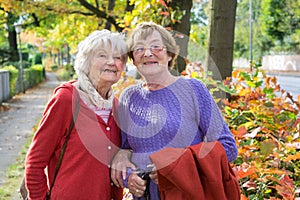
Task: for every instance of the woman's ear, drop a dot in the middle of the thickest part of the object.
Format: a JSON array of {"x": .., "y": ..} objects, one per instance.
[{"x": 169, "y": 58}]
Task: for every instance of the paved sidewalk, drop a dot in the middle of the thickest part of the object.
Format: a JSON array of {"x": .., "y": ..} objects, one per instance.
[{"x": 16, "y": 124}]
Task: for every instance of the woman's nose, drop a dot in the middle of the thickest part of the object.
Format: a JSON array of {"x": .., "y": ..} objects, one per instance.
[
  {"x": 148, "y": 52},
  {"x": 110, "y": 60}
]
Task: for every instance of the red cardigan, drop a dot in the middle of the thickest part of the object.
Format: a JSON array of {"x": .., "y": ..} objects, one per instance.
[
  {"x": 84, "y": 172},
  {"x": 200, "y": 171}
]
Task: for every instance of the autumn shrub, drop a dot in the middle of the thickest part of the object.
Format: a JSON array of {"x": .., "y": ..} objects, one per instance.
[{"x": 265, "y": 121}]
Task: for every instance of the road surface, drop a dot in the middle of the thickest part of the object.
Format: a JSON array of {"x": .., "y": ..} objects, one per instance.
[{"x": 290, "y": 83}]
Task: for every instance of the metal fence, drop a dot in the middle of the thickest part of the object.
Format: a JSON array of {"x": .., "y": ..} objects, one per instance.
[{"x": 4, "y": 85}]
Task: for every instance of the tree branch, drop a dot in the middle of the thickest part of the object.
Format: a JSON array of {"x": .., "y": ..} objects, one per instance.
[{"x": 100, "y": 14}]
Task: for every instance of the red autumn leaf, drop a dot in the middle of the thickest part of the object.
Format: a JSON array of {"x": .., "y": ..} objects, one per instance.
[
  {"x": 285, "y": 192},
  {"x": 285, "y": 187},
  {"x": 296, "y": 122},
  {"x": 285, "y": 180}
]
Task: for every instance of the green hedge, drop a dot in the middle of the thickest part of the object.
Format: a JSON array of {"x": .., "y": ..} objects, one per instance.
[
  {"x": 13, "y": 80},
  {"x": 32, "y": 76}
]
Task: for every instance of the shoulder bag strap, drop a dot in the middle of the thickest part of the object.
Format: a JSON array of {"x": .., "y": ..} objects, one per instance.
[{"x": 62, "y": 152}]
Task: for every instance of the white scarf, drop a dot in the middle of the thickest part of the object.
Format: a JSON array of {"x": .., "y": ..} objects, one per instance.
[{"x": 88, "y": 92}]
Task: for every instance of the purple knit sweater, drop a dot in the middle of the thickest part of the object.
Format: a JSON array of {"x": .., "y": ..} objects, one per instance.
[{"x": 179, "y": 115}]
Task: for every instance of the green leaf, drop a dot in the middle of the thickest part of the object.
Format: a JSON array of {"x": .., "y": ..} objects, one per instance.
[{"x": 269, "y": 104}]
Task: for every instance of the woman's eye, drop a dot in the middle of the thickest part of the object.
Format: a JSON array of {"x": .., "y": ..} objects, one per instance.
[
  {"x": 155, "y": 47},
  {"x": 117, "y": 57},
  {"x": 102, "y": 55},
  {"x": 139, "y": 49}
]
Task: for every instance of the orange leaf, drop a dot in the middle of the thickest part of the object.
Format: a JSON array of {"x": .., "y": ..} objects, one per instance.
[
  {"x": 242, "y": 130},
  {"x": 243, "y": 197},
  {"x": 242, "y": 172},
  {"x": 268, "y": 81},
  {"x": 273, "y": 171},
  {"x": 165, "y": 13},
  {"x": 183, "y": 73},
  {"x": 293, "y": 157},
  {"x": 235, "y": 73},
  {"x": 163, "y": 3}
]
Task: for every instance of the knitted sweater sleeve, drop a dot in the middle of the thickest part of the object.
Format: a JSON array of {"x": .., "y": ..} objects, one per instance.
[
  {"x": 44, "y": 145},
  {"x": 211, "y": 121}
]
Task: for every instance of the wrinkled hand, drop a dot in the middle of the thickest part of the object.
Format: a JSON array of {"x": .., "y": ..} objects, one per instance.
[
  {"x": 119, "y": 164},
  {"x": 136, "y": 185},
  {"x": 153, "y": 174}
]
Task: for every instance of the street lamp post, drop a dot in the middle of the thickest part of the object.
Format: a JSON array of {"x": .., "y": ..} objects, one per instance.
[{"x": 18, "y": 28}]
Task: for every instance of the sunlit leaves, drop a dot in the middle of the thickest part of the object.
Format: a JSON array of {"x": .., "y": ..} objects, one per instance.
[
  {"x": 67, "y": 22},
  {"x": 7, "y": 5},
  {"x": 153, "y": 10},
  {"x": 266, "y": 127},
  {"x": 265, "y": 123},
  {"x": 69, "y": 31}
]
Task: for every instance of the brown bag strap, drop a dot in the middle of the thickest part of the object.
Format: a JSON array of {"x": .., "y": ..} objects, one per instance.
[{"x": 62, "y": 152}]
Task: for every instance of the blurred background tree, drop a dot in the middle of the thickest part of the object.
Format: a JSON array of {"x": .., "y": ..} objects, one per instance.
[{"x": 60, "y": 24}]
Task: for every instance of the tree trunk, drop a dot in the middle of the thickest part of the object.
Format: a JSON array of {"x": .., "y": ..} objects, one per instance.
[
  {"x": 111, "y": 5},
  {"x": 67, "y": 47},
  {"x": 183, "y": 29},
  {"x": 12, "y": 37},
  {"x": 220, "y": 38}
]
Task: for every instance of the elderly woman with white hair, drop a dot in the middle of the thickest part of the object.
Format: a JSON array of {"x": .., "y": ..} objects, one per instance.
[{"x": 84, "y": 169}]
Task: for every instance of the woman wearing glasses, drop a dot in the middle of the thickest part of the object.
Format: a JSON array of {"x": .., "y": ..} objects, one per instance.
[{"x": 164, "y": 111}]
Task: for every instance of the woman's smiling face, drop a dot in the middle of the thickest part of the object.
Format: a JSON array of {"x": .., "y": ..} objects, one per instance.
[
  {"x": 106, "y": 66},
  {"x": 150, "y": 55}
]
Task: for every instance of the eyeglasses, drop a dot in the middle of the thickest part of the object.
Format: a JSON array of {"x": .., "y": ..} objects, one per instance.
[{"x": 140, "y": 50}]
